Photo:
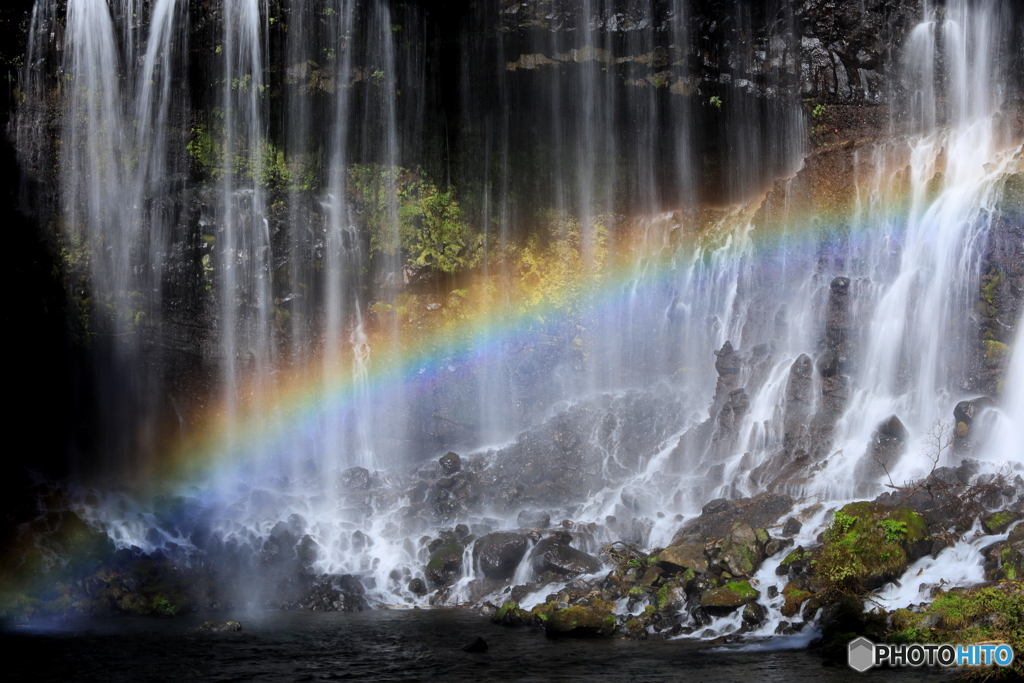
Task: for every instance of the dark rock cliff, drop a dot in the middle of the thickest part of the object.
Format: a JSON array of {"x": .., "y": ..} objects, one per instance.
[{"x": 489, "y": 90}]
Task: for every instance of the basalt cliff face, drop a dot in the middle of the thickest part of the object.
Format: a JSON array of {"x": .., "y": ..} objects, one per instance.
[{"x": 520, "y": 111}]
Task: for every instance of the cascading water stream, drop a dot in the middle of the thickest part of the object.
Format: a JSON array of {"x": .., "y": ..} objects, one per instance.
[{"x": 244, "y": 251}]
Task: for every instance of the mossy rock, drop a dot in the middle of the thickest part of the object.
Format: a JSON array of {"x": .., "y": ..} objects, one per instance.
[
  {"x": 652, "y": 576},
  {"x": 1010, "y": 555},
  {"x": 540, "y": 613},
  {"x": 979, "y": 615},
  {"x": 867, "y": 545},
  {"x": 731, "y": 596},
  {"x": 445, "y": 564},
  {"x": 635, "y": 628},
  {"x": 742, "y": 549},
  {"x": 671, "y": 596},
  {"x": 797, "y": 558},
  {"x": 795, "y": 594},
  {"x": 580, "y": 621},
  {"x": 509, "y": 614},
  {"x": 740, "y": 560},
  {"x": 999, "y": 522},
  {"x": 687, "y": 555}
]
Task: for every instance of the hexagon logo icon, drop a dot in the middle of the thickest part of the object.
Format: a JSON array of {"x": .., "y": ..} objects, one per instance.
[{"x": 861, "y": 653}]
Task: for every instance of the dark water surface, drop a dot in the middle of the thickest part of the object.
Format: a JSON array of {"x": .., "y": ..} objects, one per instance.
[{"x": 386, "y": 645}]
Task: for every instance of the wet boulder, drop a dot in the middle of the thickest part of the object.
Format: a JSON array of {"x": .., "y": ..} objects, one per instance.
[
  {"x": 844, "y": 616},
  {"x": 759, "y": 512},
  {"x": 509, "y": 614},
  {"x": 651, "y": 576},
  {"x": 354, "y": 479},
  {"x": 307, "y": 550},
  {"x": 795, "y": 594},
  {"x": 450, "y": 463},
  {"x": 888, "y": 443},
  {"x": 476, "y": 589},
  {"x": 521, "y": 591},
  {"x": 728, "y": 363},
  {"x": 796, "y": 562},
  {"x": 279, "y": 546},
  {"x": 964, "y": 414},
  {"x": 671, "y": 597},
  {"x": 728, "y": 597},
  {"x": 1006, "y": 559},
  {"x": 966, "y": 411},
  {"x": 581, "y": 621},
  {"x": 339, "y": 593},
  {"x": 868, "y": 544},
  {"x": 791, "y": 527},
  {"x": 999, "y": 522},
  {"x": 444, "y": 565},
  {"x": 554, "y": 554},
  {"x": 742, "y": 549},
  {"x": 777, "y": 545},
  {"x": 754, "y": 615},
  {"x": 714, "y": 506},
  {"x": 798, "y": 408},
  {"x": 499, "y": 553},
  {"x": 478, "y": 645},
  {"x": 687, "y": 554},
  {"x": 533, "y": 519},
  {"x": 839, "y": 319}
]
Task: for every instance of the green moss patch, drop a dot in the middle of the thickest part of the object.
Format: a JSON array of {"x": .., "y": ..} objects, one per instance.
[
  {"x": 794, "y": 598},
  {"x": 578, "y": 620},
  {"x": 730, "y": 596},
  {"x": 989, "y": 614},
  {"x": 998, "y": 522},
  {"x": 866, "y": 545},
  {"x": 795, "y": 556},
  {"x": 509, "y": 614}
]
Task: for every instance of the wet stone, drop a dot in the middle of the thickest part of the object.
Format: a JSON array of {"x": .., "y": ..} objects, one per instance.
[
  {"x": 478, "y": 645},
  {"x": 791, "y": 527},
  {"x": 776, "y": 545},
  {"x": 450, "y": 463},
  {"x": 533, "y": 519},
  {"x": 355, "y": 479},
  {"x": 220, "y": 626},
  {"x": 677, "y": 558},
  {"x": 553, "y": 554},
  {"x": 499, "y": 553}
]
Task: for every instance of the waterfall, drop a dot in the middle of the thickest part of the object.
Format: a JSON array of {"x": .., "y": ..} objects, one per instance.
[
  {"x": 350, "y": 243},
  {"x": 114, "y": 162}
]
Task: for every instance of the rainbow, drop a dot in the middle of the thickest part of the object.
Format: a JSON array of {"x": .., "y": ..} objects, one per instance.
[{"x": 275, "y": 416}]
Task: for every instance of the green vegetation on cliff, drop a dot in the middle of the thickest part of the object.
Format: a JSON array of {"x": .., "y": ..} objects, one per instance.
[{"x": 981, "y": 615}]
